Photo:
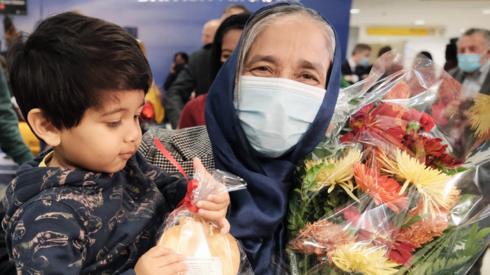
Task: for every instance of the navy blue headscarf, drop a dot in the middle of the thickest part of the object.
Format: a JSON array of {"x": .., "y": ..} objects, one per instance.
[{"x": 257, "y": 214}]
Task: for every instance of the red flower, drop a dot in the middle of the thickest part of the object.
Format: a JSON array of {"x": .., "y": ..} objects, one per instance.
[
  {"x": 431, "y": 151},
  {"x": 347, "y": 137},
  {"x": 377, "y": 123},
  {"x": 401, "y": 252},
  {"x": 427, "y": 122},
  {"x": 424, "y": 119}
]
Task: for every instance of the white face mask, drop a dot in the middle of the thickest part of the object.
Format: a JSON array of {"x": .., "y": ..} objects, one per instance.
[{"x": 276, "y": 112}]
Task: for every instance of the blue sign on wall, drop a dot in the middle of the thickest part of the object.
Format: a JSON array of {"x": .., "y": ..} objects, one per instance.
[{"x": 168, "y": 26}]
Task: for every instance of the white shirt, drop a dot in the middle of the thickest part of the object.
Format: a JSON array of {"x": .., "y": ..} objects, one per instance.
[{"x": 353, "y": 77}]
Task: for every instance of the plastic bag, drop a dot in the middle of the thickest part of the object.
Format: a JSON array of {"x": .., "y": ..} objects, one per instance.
[
  {"x": 207, "y": 251},
  {"x": 399, "y": 186}
]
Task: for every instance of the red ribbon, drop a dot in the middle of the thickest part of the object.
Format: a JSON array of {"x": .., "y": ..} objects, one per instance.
[
  {"x": 191, "y": 184},
  {"x": 187, "y": 201}
]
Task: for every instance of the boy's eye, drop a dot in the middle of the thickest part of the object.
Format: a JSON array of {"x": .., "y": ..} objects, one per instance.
[{"x": 113, "y": 124}]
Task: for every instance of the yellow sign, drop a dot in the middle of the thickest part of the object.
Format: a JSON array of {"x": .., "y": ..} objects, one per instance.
[{"x": 400, "y": 31}]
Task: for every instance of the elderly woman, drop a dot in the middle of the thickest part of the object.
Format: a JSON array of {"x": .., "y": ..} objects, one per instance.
[{"x": 268, "y": 107}]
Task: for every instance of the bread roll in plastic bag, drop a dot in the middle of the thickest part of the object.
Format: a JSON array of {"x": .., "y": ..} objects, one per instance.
[{"x": 207, "y": 251}]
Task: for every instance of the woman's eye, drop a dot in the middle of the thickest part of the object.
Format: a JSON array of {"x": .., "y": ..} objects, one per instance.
[
  {"x": 261, "y": 68},
  {"x": 308, "y": 78},
  {"x": 261, "y": 71},
  {"x": 114, "y": 124}
]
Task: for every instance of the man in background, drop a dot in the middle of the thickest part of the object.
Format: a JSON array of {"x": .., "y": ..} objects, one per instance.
[
  {"x": 473, "y": 69},
  {"x": 196, "y": 78},
  {"x": 356, "y": 67},
  {"x": 233, "y": 10},
  {"x": 208, "y": 31}
]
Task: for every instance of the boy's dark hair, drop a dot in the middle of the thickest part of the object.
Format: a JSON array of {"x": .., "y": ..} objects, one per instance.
[
  {"x": 69, "y": 61},
  {"x": 361, "y": 47}
]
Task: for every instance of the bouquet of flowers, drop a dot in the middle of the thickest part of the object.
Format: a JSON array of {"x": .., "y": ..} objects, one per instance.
[{"x": 398, "y": 185}]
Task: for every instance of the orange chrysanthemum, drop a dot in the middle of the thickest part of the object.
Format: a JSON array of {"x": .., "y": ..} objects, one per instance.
[
  {"x": 321, "y": 238},
  {"x": 383, "y": 189},
  {"x": 423, "y": 231}
]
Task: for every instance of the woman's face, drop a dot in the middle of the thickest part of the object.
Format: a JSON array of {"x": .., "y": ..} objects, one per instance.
[
  {"x": 293, "y": 48},
  {"x": 230, "y": 40}
]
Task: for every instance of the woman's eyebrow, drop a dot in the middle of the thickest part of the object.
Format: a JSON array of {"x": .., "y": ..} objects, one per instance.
[
  {"x": 266, "y": 58},
  {"x": 317, "y": 66}
]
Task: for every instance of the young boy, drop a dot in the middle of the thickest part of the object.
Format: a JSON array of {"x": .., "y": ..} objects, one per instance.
[{"x": 91, "y": 204}]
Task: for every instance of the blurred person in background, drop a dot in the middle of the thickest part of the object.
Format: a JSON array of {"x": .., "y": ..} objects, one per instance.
[
  {"x": 225, "y": 41},
  {"x": 384, "y": 50},
  {"x": 180, "y": 60},
  {"x": 208, "y": 31},
  {"x": 195, "y": 79},
  {"x": 233, "y": 10},
  {"x": 356, "y": 67},
  {"x": 10, "y": 139},
  {"x": 451, "y": 55},
  {"x": 425, "y": 54},
  {"x": 10, "y": 31},
  {"x": 473, "y": 69}
]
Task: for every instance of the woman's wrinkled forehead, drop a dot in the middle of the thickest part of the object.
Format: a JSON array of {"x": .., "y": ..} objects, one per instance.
[{"x": 280, "y": 21}]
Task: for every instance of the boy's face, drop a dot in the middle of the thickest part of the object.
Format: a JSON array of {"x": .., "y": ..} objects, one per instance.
[{"x": 106, "y": 137}]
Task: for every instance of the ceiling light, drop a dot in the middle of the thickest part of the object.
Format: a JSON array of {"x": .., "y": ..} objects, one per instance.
[
  {"x": 355, "y": 11},
  {"x": 486, "y": 11},
  {"x": 419, "y": 22}
]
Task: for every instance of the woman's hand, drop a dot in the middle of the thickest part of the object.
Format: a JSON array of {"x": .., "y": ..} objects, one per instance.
[
  {"x": 215, "y": 206},
  {"x": 160, "y": 260}
]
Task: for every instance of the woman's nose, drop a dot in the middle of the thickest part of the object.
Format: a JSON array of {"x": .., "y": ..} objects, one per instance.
[{"x": 285, "y": 73}]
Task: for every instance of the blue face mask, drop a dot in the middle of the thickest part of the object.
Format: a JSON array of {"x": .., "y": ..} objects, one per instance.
[
  {"x": 364, "y": 62},
  {"x": 469, "y": 62},
  {"x": 276, "y": 112}
]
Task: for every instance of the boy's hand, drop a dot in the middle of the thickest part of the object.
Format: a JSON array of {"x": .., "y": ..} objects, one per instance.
[
  {"x": 214, "y": 209},
  {"x": 160, "y": 260},
  {"x": 215, "y": 206}
]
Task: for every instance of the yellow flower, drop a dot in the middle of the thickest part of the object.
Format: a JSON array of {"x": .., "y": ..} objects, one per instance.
[
  {"x": 360, "y": 258},
  {"x": 339, "y": 172},
  {"x": 479, "y": 115},
  {"x": 434, "y": 186}
]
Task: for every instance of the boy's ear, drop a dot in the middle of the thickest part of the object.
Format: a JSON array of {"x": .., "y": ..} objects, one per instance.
[{"x": 43, "y": 128}]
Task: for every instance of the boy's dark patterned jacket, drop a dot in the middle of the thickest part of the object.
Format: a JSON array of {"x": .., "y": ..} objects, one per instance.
[{"x": 72, "y": 221}]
